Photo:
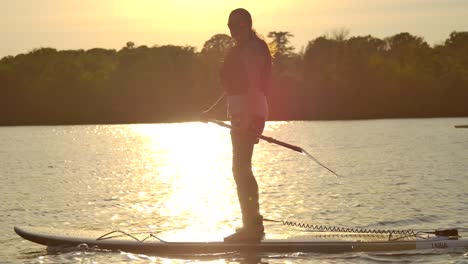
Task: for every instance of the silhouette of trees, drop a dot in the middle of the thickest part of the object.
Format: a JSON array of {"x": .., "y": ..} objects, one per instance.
[
  {"x": 280, "y": 39},
  {"x": 366, "y": 77},
  {"x": 338, "y": 34},
  {"x": 284, "y": 58},
  {"x": 130, "y": 45},
  {"x": 218, "y": 44},
  {"x": 335, "y": 77},
  {"x": 286, "y": 74},
  {"x": 210, "y": 60}
]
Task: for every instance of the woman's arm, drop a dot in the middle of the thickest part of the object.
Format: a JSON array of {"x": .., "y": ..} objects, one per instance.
[{"x": 205, "y": 113}]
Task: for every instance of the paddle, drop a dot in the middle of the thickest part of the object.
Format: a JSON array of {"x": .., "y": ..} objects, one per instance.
[{"x": 278, "y": 142}]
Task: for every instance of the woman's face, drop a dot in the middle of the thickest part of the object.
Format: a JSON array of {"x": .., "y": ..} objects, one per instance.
[{"x": 238, "y": 27}]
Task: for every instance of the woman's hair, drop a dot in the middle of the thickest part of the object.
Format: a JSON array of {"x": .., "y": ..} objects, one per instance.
[{"x": 272, "y": 48}]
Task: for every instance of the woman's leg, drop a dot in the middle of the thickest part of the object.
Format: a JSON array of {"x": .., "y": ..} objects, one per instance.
[{"x": 247, "y": 187}]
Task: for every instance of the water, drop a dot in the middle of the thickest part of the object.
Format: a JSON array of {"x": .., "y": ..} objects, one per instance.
[{"x": 175, "y": 180}]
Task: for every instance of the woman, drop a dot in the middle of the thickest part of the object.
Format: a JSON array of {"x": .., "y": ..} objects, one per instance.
[{"x": 245, "y": 76}]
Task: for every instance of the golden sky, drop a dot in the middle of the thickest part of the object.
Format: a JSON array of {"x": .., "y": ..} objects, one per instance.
[{"x": 74, "y": 24}]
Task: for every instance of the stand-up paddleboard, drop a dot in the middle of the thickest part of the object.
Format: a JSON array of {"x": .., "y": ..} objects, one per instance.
[{"x": 322, "y": 242}]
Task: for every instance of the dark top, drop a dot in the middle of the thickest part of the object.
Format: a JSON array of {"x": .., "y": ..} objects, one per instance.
[{"x": 233, "y": 74}]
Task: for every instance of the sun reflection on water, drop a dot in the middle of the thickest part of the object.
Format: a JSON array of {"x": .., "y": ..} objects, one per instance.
[
  {"x": 186, "y": 188},
  {"x": 192, "y": 162}
]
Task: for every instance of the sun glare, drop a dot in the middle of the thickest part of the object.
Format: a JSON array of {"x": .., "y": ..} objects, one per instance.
[
  {"x": 173, "y": 15},
  {"x": 193, "y": 160},
  {"x": 187, "y": 15}
]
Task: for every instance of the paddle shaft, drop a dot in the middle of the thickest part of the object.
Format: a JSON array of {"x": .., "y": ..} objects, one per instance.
[
  {"x": 268, "y": 139},
  {"x": 278, "y": 142}
]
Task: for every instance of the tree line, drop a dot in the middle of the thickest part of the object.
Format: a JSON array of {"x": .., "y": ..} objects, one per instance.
[{"x": 333, "y": 77}]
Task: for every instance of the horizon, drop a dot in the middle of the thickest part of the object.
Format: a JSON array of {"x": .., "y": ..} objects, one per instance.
[{"x": 109, "y": 24}]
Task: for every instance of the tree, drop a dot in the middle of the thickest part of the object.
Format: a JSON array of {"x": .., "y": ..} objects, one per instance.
[
  {"x": 336, "y": 77},
  {"x": 339, "y": 34},
  {"x": 218, "y": 44},
  {"x": 410, "y": 57},
  {"x": 280, "y": 41},
  {"x": 130, "y": 45}
]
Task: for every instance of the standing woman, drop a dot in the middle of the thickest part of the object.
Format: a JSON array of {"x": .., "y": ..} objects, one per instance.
[{"x": 245, "y": 76}]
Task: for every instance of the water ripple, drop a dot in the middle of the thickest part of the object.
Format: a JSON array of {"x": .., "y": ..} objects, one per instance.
[{"x": 148, "y": 177}]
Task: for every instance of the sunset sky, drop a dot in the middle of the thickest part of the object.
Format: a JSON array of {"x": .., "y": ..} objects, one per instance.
[{"x": 84, "y": 24}]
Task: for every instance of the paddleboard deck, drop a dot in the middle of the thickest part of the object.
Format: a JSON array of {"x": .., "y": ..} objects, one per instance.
[{"x": 149, "y": 244}]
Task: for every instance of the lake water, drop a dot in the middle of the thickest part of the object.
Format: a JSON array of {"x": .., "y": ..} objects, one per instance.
[{"x": 175, "y": 180}]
